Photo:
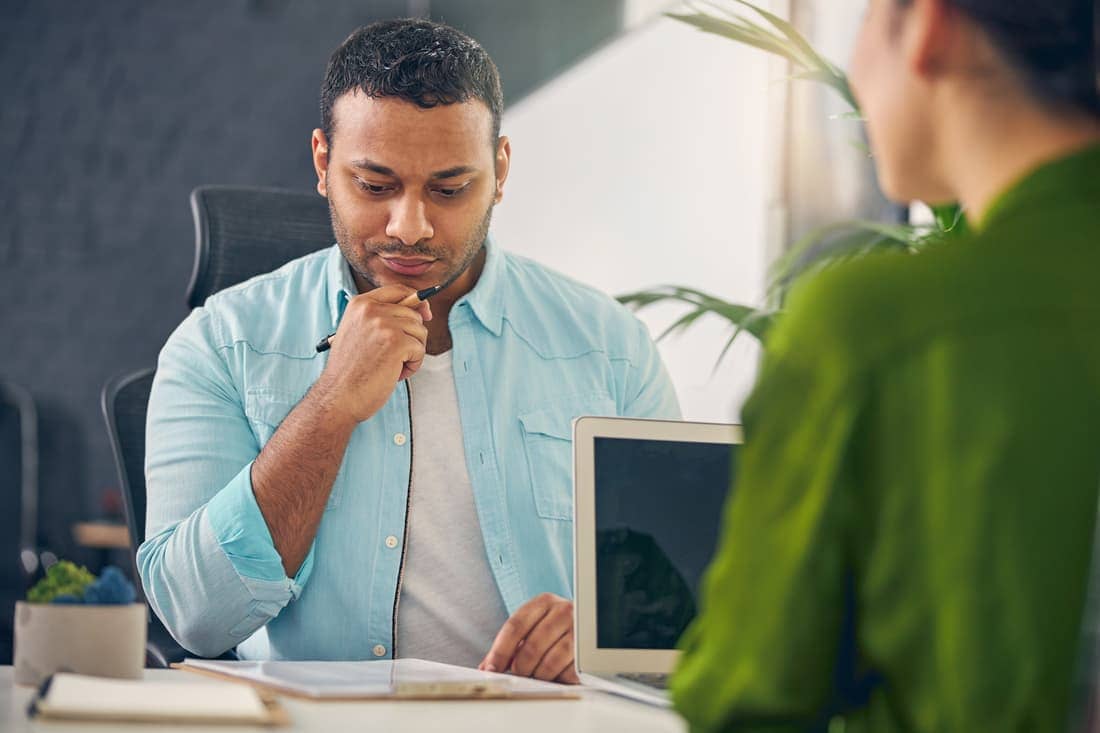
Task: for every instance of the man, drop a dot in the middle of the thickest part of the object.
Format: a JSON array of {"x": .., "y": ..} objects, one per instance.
[{"x": 289, "y": 514}]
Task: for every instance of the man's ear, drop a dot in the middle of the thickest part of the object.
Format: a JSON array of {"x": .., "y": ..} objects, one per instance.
[
  {"x": 502, "y": 163},
  {"x": 320, "y": 161}
]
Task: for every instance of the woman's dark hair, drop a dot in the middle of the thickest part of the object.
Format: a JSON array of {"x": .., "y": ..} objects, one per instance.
[
  {"x": 1052, "y": 43},
  {"x": 420, "y": 61}
]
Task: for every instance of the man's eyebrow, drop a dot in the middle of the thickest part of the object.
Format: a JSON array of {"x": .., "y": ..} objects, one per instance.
[
  {"x": 458, "y": 170},
  {"x": 370, "y": 165}
]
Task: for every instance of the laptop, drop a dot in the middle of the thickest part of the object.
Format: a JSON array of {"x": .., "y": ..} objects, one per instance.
[{"x": 649, "y": 502}]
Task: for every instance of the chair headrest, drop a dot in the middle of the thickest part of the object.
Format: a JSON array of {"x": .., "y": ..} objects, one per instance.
[{"x": 244, "y": 231}]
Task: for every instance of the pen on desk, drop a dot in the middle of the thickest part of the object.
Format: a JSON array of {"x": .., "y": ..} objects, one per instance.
[{"x": 421, "y": 295}]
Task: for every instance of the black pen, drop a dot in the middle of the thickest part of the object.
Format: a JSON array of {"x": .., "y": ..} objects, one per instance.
[{"x": 420, "y": 295}]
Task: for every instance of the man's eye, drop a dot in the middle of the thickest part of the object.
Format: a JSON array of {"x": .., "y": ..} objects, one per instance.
[
  {"x": 450, "y": 193},
  {"x": 372, "y": 188}
]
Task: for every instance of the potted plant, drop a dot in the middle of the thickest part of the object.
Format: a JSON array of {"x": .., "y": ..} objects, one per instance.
[
  {"x": 75, "y": 622},
  {"x": 825, "y": 245}
]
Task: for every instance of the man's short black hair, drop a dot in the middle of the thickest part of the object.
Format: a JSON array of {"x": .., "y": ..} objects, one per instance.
[{"x": 420, "y": 61}]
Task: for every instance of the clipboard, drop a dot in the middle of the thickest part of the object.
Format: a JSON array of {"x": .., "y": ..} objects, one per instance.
[
  {"x": 401, "y": 679},
  {"x": 76, "y": 697}
]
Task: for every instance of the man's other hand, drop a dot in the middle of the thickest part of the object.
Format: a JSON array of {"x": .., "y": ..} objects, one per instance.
[{"x": 537, "y": 641}]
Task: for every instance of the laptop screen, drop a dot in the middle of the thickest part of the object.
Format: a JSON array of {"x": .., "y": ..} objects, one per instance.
[{"x": 658, "y": 512}]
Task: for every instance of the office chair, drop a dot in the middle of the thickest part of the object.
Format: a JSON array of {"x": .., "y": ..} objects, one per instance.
[
  {"x": 240, "y": 232},
  {"x": 18, "y": 505},
  {"x": 124, "y": 401}
]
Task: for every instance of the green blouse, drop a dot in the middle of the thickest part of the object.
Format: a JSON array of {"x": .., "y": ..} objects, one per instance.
[{"x": 908, "y": 540}]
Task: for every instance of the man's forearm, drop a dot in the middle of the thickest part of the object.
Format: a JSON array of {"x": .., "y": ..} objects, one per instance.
[{"x": 293, "y": 475}]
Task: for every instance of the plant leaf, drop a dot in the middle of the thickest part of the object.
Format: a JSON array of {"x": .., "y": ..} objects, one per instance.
[
  {"x": 718, "y": 26},
  {"x": 826, "y": 70},
  {"x": 757, "y": 324},
  {"x": 948, "y": 217},
  {"x": 682, "y": 323}
]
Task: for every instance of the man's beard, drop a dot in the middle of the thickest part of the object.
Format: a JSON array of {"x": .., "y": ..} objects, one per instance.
[{"x": 357, "y": 258}]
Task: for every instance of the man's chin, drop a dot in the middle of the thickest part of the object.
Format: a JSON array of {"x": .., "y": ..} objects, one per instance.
[{"x": 419, "y": 282}]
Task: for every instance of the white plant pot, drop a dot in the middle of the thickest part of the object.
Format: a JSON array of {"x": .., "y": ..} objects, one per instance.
[{"x": 106, "y": 641}]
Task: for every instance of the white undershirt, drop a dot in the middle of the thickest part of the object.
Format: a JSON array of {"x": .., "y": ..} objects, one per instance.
[{"x": 450, "y": 609}]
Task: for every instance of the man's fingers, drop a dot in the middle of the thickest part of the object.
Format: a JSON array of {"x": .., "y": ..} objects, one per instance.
[
  {"x": 569, "y": 676},
  {"x": 389, "y": 294},
  {"x": 558, "y": 659},
  {"x": 515, "y": 630},
  {"x": 410, "y": 368},
  {"x": 420, "y": 306},
  {"x": 553, "y": 626},
  {"x": 416, "y": 329}
]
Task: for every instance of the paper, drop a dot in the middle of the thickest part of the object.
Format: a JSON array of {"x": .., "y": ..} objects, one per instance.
[
  {"x": 402, "y": 678},
  {"x": 74, "y": 696}
]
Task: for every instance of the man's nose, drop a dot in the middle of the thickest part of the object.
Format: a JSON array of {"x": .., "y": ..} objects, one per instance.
[{"x": 409, "y": 220}]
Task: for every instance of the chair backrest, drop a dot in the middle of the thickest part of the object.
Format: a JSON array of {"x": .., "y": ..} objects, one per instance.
[
  {"x": 19, "y": 483},
  {"x": 125, "y": 400},
  {"x": 242, "y": 231},
  {"x": 18, "y": 505}
]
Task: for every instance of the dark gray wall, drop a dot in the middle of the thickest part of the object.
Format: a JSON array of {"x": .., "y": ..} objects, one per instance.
[{"x": 111, "y": 112}]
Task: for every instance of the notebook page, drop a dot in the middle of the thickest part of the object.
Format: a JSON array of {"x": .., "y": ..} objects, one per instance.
[{"x": 72, "y": 694}]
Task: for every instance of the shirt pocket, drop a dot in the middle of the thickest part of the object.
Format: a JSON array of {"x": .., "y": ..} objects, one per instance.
[
  {"x": 266, "y": 408},
  {"x": 548, "y": 443}
]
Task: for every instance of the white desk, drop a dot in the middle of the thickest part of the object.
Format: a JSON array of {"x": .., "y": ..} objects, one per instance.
[{"x": 596, "y": 713}]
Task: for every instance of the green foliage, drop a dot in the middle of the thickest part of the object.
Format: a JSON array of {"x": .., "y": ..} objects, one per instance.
[
  {"x": 781, "y": 39},
  {"x": 62, "y": 579},
  {"x": 743, "y": 318},
  {"x": 820, "y": 248}
]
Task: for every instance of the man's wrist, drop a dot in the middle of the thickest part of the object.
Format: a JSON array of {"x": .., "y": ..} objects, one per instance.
[{"x": 323, "y": 399}]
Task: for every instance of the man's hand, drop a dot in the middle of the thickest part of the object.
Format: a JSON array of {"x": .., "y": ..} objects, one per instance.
[
  {"x": 537, "y": 641},
  {"x": 380, "y": 341}
]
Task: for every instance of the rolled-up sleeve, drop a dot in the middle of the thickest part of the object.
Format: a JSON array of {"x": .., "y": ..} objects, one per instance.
[{"x": 208, "y": 565}]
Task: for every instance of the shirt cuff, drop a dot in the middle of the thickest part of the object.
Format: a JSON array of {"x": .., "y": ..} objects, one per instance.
[{"x": 242, "y": 533}]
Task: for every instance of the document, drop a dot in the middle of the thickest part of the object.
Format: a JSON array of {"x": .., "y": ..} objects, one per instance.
[
  {"x": 81, "y": 697},
  {"x": 383, "y": 679}
]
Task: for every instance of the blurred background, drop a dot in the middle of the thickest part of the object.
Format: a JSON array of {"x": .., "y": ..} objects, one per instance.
[{"x": 644, "y": 153}]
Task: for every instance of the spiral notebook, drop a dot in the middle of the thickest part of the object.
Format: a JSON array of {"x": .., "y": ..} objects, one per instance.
[{"x": 65, "y": 696}]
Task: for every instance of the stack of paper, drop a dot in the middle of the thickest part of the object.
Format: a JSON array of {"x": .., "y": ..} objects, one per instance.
[{"x": 380, "y": 679}]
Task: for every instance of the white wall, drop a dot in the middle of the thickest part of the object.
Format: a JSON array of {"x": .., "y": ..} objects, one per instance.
[{"x": 648, "y": 164}]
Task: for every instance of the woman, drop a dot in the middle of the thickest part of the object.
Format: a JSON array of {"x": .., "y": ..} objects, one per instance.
[{"x": 908, "y": 542}]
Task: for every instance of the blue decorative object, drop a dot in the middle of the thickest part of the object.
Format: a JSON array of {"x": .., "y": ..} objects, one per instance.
[{"x": 111, "y": 587}]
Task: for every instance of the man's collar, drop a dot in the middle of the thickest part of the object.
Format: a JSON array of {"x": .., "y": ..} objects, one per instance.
[
  {"x": 486, "y": 299},
  {"x": 340, "y": 287}
]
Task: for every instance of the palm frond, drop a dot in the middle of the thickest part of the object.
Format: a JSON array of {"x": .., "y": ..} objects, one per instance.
[
  {"x": 758, "y": 324},
  {"x": 837, "y": 240},
  {"x": 743, "y": 318},
  {"x": 781, "y": 39}
]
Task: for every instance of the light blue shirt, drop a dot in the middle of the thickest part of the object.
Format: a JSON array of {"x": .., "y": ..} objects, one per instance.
[{"x": 532, "y": 350}]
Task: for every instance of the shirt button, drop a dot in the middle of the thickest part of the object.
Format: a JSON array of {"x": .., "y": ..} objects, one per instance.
[
  {"x": 399, "y": 439},
  {"x": 391, "y": 542},
  {"x": 379, "y": 650}
]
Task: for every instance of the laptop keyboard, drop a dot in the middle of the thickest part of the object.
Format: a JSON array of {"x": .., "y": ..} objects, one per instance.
[{"x": 657, "y": 681}]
